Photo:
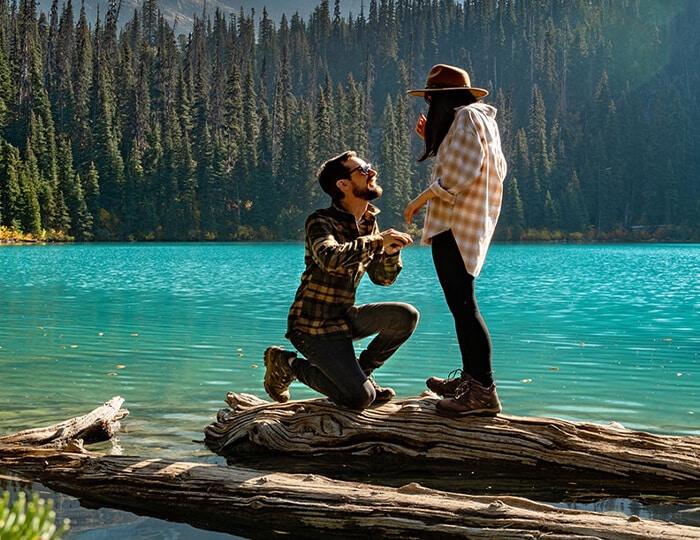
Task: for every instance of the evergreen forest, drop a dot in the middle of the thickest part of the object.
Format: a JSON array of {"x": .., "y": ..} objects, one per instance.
[{"x": 119, "y": 129}]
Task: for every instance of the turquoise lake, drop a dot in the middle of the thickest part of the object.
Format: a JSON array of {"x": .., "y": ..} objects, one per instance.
[{"x": 601, "y": 333}]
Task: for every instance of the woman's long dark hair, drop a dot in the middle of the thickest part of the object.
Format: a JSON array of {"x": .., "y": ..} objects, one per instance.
[{"x": 441, "y": 113}]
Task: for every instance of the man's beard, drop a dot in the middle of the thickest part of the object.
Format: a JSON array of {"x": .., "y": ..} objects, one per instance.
[{"x": 367, "y": 193}]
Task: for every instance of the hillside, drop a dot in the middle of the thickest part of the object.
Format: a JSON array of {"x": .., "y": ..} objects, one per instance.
[
  {"x": 180, "y": 13},
  {"x": 118, "y": 130}
]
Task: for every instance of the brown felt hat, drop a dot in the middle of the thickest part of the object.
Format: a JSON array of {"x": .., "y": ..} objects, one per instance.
[{"x": 443, "y": 78}]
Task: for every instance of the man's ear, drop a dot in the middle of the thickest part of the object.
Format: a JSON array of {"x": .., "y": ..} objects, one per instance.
[{"x": 343, "y": 184}]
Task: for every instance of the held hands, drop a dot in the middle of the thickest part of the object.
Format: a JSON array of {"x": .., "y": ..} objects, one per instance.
[{"x": 394, "y": 241}]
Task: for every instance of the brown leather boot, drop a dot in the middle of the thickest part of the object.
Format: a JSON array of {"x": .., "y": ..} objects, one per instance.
[
  {"x": 472, "y": 399},
  {"x": 382, "y": 394},
  {"x": 278, "y": 373},
  {"x": 448, "y": 387}
]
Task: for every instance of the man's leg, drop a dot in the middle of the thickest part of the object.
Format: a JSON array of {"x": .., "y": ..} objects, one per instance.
[
  {"x": 331, "y": 368},
  {"x": 393, "y": 322}
]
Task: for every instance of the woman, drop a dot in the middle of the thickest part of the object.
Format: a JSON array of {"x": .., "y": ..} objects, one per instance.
[{"x": 463, "y": 204}]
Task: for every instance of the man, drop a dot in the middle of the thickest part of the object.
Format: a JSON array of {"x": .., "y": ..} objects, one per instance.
[{"x": 342, "y": 243}]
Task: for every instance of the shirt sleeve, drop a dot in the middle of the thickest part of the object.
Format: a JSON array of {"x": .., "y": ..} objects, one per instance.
[
  {"x": 385, "y": 269},
  {"x": 461, "y": 156},
  {"x": 338, "y": 257}
]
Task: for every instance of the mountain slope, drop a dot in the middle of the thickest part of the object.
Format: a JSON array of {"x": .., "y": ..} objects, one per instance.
[{"x": 180, "y": 13}]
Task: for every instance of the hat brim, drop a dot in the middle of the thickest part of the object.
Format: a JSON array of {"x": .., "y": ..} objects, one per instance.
[{"x": 476, "y": 92}]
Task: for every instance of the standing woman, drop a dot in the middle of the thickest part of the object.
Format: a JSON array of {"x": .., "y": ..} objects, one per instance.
[{"x": 464, "y": 202}]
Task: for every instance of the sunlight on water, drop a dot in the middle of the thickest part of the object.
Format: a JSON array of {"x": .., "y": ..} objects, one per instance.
[{"x": 590, "y": 333}]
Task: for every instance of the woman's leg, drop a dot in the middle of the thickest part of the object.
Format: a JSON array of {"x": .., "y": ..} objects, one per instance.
[{"x": 458, "y": 286}]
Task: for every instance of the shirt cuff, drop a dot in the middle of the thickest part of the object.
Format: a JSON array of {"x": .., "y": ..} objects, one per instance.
[{"x": 441, "y": 192}]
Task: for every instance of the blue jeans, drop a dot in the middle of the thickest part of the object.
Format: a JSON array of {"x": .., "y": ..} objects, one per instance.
[
  {"x": 458, "y": 285},
  {"x": 331, "y": 367}
]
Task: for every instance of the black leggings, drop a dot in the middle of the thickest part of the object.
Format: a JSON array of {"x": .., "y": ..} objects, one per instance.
[{"x": 458, "y": 286}]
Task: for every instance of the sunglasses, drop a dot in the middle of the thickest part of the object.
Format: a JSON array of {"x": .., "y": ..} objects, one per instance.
[{"x": 364, "y": 169}]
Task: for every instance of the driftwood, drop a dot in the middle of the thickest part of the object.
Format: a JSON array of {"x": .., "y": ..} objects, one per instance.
[
  {"x": 99, "y": 425},
  {"x": 259, "y": 505},
  {"x": 411, "y": 428}
]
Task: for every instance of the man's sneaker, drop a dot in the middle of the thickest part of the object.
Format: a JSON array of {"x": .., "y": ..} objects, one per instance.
[
  {"x": 382, "y": 394},
  {"x": 448, "y": 387},
  {"x": 472, "y": 399},
  {"x": 278, "y": 373}
]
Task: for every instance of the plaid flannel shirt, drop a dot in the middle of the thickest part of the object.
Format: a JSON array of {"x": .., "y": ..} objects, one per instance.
[
  {"x": 339, "y": 251},
  {"x": 467, "y": 180}
]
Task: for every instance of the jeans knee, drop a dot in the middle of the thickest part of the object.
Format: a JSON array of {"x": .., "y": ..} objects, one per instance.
[
  {"x": 409, "y": 318},
  {"x": 359, "y": 400}
]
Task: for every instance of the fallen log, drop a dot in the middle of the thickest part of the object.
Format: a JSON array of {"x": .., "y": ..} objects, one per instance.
[
  {"x": 411, "y": 428},
  {"x": 99, "y": 425},
  {"x": 256, "y": 504},
  {"x": 259, "y": 504}
]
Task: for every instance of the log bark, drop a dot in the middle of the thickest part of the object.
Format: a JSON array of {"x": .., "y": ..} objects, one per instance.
[
  {"x": 255, "y": 504},
  {"x": 412, "y": 428},
  {"x": 99, "y": 425}
]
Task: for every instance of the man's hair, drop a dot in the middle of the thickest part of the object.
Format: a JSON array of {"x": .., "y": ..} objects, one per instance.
[
  {"x": 440, "y": 116},
  {"x": 333, "y": 170}
]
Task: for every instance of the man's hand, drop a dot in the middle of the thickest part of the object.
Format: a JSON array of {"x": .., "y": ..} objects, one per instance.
[{"x": 395, "y": 241}]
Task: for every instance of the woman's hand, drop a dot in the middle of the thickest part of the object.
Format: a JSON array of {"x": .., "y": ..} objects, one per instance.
[
  {"x": 413, "y": 207},
  {"x": 420, "y": 126}
]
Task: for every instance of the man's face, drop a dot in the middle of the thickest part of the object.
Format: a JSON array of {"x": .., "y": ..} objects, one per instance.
[{"x": 364, "y": 180}]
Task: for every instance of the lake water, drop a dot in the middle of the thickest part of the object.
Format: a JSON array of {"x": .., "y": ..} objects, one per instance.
[{"x": 590, "y": 333}]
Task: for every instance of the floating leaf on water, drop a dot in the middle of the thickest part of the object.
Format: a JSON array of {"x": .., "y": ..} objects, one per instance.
[
  {"x": 239, "y": 354},
  {"x": 679, "y": 374},
  {"x": 668, "y": 339},
  {"x": 581, "y": 343},
  {"x": 100, "y": 334},
  {"x": 62, "y": 347},
  {"x": 525, "y": 380},
  {"x": 73, "y": 346},
  {"x": 554, "y": 368},
  {"x": 254, "y": 366},
  {"x": 134, "y": 335},
  {"x": 119, "y": 366},
  {"x": 239, "y": 350},
  {"x": 111, "y": 374}
]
